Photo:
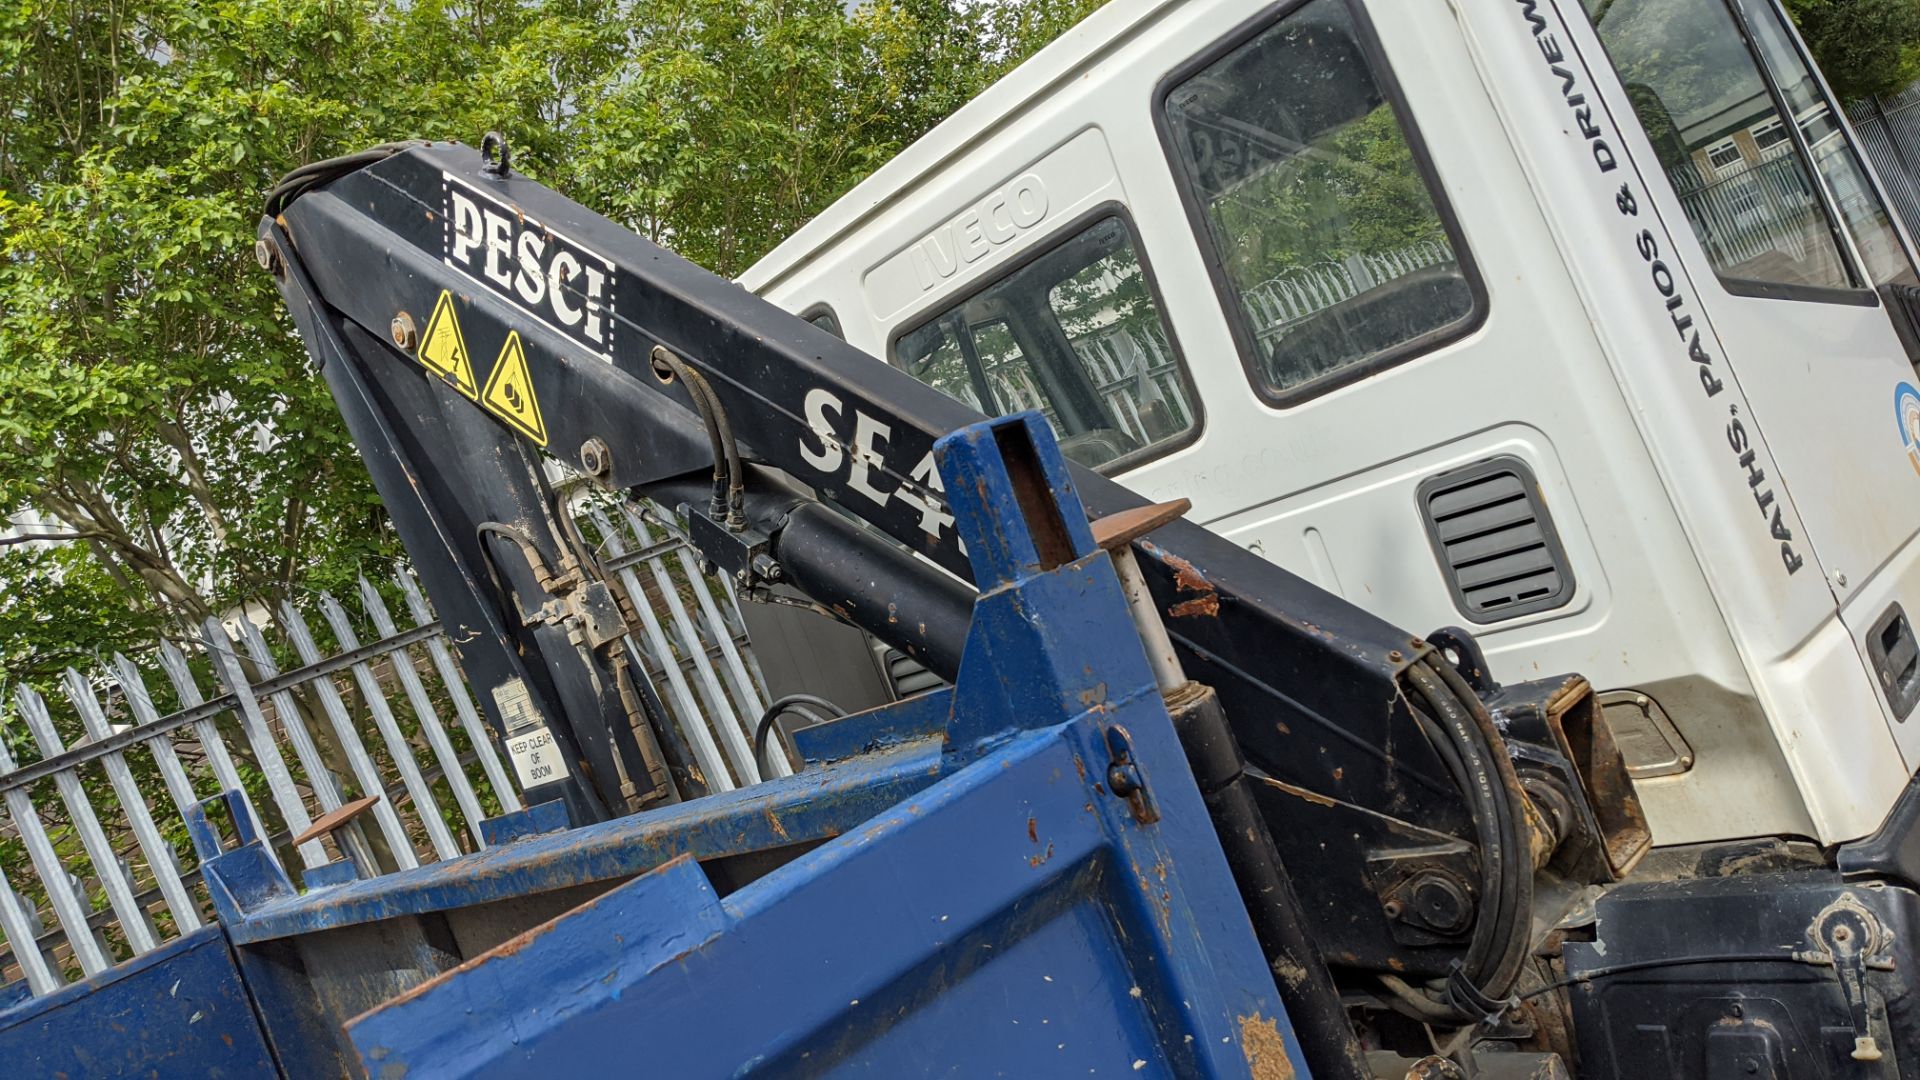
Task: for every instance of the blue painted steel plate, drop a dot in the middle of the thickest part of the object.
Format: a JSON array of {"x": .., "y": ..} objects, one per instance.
[
  {"x": 179, "y": 1011},
  {"x": 1013, "y": 920}
]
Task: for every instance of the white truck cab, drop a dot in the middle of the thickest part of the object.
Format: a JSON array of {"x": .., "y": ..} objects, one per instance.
[{"x": 1570, "y": 323}]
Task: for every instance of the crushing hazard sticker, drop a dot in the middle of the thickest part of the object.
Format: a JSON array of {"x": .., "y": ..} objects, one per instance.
[
  {"x": 444, "y": 349},
  {"x": 509, "y": 393}
]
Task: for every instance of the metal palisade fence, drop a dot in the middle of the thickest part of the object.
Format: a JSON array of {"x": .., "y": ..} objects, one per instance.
[
  {"x": 1282, "y": 301},
  {"x": 304, "y": 712},
  {"x": 1889, "y": 130}
]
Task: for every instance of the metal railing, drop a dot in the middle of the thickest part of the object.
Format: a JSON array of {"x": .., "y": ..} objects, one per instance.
[
  {"x": 95, "y": 865},
  {"x": 1283, "y": 300},
  {"x": 701, "y": 665},
  {"x": 1759, "y": 209},
  {"x": 1889, "y": 130},
  {"x": 1133, "y": 368}
]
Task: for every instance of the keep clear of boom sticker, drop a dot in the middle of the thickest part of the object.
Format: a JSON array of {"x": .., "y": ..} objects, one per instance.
[{"x": 536, "y": 757}]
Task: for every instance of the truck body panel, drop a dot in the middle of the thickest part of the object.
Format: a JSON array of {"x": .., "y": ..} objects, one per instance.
[{"x": 1574, "y": 361}]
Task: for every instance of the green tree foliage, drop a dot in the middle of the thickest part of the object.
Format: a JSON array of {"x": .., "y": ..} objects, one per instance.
[
  {"x": 157, "y": 413},
  {"x": 1864, "y": 47}
]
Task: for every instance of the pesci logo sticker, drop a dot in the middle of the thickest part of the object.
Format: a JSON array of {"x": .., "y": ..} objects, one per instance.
[
  {"x": 547, "y": 275},
  {"x": 1906, "y": 413}
]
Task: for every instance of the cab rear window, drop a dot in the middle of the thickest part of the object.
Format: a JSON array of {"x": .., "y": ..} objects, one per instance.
[{"x": 1076, "y": 333}]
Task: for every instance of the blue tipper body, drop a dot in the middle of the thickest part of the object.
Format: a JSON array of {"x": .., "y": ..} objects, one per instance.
[
  {"x": 974, "y": 900},
  {"x": 180, "y": 1010}
]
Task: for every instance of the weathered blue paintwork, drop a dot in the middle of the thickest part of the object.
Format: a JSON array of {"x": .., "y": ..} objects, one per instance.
[
  {"x": 812, "y": 805},
  {"x": 1013, "y": 919},
  {"x": 243, "y": 878},
  {"x": 917, "y": 718},
  {"x": 976, "y": 900},
  {"x": 178, "y": 1011},
  {"x": 546, "y": 817},
  {"x": 1001, "y": 924}
]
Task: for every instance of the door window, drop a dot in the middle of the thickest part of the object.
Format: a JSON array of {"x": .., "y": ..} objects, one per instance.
[
  {"x": 1076, "y": 334},
  {"x": 1696, "y": 89},
  {"x": 1833, "y": 155},
  {"x": 1331, "y": 247}
]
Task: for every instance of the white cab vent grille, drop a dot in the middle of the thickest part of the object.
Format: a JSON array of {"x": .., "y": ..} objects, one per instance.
[{"x": 1495, "y": 542}]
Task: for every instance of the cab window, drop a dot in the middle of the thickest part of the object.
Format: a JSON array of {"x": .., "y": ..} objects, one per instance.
[
  {"x": 1075, "y": 333},
  {"x": 1721, "y": 138},
  {"x": 1326, "y": 234},
  {"x": 823, "y": 317},
  {"x": 1885, "y": 258}
]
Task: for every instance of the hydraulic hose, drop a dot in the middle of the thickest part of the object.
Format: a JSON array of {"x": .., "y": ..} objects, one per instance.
[
  {"x": 315, "y": 173},
  {"x": 735, "y": 519},
  {"x": 1517, "y": 806},
  {"x": 805, "y": 704},
  {"x": 726, "y": 457},
  {"x": 1461, "y": 752},
  {"x": 1470, "y": 747}
]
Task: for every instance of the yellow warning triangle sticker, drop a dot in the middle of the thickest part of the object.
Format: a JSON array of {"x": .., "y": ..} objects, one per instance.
[
  {"x": 444, "y": 350},
  {"x": 509, "y": 392}
]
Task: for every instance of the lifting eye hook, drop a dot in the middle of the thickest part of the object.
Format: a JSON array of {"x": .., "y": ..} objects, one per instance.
[{"x": 497, "y": 156}]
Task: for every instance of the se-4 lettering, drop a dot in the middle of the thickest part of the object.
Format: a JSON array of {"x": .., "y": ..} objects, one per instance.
[{"x": 856, "y": 442}]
